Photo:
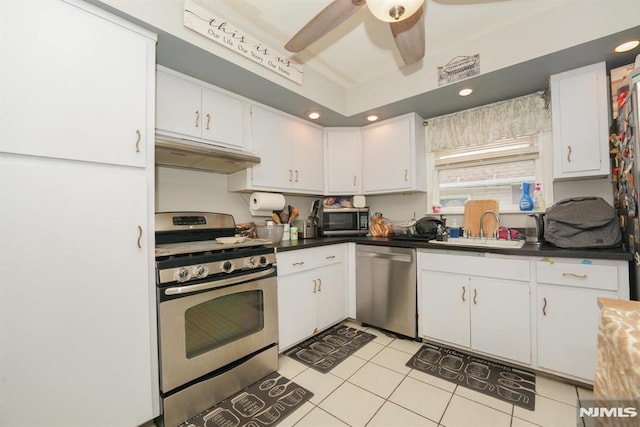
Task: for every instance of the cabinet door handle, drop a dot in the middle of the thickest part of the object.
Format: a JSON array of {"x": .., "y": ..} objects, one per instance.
[
  {"x": 297, "y": 263},
  {"x": 290, "y": 175},
  {"x": 296, "y": 176},
  {"x": 139, "y": 242},
  {"x": 577, "y": 276},
  {"x": 208, "y": 121},
  {"x": 138, "y": 138},
  {"x": 315, "y": 283},
  {"x": 569, "y": 153},
  {"x": 544, "y": 306},
  {"x": 464, "y": 293},
  {"x": 197, "y": 118},
  {"x": 319, "y": 285},
  {"x": 475, "y": 296},
  {"x": 406, "y": 175},
  {"x": 355, "y": 180}
]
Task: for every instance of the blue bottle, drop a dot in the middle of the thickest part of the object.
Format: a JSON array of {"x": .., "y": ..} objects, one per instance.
[{"x": 526, "y": 202}]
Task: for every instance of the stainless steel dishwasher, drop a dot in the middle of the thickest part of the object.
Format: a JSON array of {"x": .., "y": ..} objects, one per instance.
[{"x": 386, "y": 288}]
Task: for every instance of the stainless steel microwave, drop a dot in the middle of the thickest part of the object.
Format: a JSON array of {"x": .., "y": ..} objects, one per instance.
[{"x": 343, "y": 221}]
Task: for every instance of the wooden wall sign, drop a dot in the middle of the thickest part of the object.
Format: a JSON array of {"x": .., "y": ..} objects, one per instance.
[{"x": 202, "y": 21}]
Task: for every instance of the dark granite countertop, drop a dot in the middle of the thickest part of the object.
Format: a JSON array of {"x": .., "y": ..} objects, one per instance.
[{"x": 543, "y": 250}]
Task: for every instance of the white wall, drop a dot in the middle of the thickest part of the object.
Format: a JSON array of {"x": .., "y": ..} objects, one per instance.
[{"x": 178, "y": 189}]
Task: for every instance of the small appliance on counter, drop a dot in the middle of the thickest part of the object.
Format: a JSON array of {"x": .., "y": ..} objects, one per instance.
[
  {"x": 343, "y": 221},
  {"x": 534, "y": 228},
  {"x": 307, "y": 228}
]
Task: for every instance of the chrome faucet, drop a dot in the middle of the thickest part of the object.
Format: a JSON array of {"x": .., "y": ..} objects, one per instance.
[{"x": 495, "y": 215}]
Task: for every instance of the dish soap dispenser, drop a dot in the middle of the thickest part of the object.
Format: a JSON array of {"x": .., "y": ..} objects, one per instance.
[
  {"x": 538, "y": 198},
  {"x": 526, "y": 202}
]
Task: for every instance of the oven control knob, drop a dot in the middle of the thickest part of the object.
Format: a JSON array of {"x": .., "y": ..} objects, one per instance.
[
  {"x": 200, "y": 271},
  {"x": 227, "y": 267},
  {"x": 252, "y": 263},
  {"x": 263, "y": 261},
  {"x": 183, "y": 275}
]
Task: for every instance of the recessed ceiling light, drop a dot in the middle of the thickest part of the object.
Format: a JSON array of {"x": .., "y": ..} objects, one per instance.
[
  {"x": 465, "y": 92},
  {"x": 372, "y": 117},
  {"x": 313, "y": 115},
  {"x": 627, "y": 46}
]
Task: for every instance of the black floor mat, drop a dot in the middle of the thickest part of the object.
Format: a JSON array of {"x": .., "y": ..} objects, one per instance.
[
  {"x": 267, "y": 402},
  {"x": 328, "y": 349},
  {"x": 510, "y": 384}
]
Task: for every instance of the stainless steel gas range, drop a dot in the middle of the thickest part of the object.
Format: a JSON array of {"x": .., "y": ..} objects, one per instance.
[{"x": 217, "y": 311}]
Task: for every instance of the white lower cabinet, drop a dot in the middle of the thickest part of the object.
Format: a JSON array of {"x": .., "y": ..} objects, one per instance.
[
  {"x": 537, "y": 311},
  {"x": 312, "y": 291},
  {"x": 567, "y": 311},
  {"x": 486, "y": 314}
]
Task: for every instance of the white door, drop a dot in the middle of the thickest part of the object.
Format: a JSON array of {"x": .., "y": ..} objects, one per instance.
[
  {"x": 386, "y": 156},
  {"x": 308, "y": 165},
  {"x": 500, "y": 318},
  {"x": 178, "y": 106},
  {"x": 271, "y": 141},
  {"x": 66, "y": 77},
  {"x": 297, "y": 305},
  {"x": 445, "y": 307},
  {"x": 568, "y": 320},
  {"x": 332, "y": 294},
  {"x": 222, "y": 119},
  {"x": 342, "y": 161},
  {"x": 76, "y": 306}
]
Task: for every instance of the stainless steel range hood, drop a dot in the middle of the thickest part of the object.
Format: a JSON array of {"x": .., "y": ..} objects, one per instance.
[{"x": 186, "y": 154}]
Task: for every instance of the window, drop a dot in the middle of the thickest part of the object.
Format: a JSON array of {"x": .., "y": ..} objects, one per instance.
[{"x": 491, "y": 171}]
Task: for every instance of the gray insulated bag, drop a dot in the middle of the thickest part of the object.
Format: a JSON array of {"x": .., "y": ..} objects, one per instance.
[{"x": 582, "y": 222}]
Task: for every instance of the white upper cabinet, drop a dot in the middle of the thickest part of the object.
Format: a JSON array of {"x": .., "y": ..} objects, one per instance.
[
  {"x": 291, "y": 155},
  {"x": 580, "y": 118},
  {"x": 342, "y": 164},
  {"x": 188, "y": 108},
  {"x": 394, "y": 156},
  {"x": 61, "y": 92}
]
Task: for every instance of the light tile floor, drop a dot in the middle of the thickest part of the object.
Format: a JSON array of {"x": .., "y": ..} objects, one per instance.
[{"x": 373, "y": 387}]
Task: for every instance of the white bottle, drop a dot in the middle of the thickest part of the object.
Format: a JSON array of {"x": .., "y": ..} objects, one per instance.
[{"x": 538, "y": 198}]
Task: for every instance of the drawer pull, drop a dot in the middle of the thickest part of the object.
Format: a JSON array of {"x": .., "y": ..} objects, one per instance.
[
  {"x": 577, "y": 276},
  {"x": 544, "y": 307},
  {"x": 464, "y": 292},
  {"x": 330, "y": 257},
  {"x": 297, "y": 263}
]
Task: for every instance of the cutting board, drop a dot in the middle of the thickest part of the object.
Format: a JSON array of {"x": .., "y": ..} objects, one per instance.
[{"x": 473, "y": 211}]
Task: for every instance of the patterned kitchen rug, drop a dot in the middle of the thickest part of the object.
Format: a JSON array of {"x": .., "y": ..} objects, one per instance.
[
  {"x": 328, "y": 349},
  {"x": 267, "y": 402},
  {"x": 507, "y": 383}
]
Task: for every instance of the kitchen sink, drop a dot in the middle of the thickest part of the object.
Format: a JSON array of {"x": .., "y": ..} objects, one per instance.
[{"x": 483, "y": 243}]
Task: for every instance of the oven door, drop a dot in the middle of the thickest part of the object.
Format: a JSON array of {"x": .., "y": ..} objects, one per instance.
[{"x": 205, "y": 331}]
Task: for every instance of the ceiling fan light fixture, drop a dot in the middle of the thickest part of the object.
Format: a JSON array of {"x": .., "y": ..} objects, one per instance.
[{"x": 393, "y": 10}]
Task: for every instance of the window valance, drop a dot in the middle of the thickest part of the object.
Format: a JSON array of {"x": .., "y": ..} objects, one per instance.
[{"x": 526, "y": 115}]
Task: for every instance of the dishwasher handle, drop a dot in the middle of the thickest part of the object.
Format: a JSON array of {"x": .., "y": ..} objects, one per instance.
[{"x": 387, "y": 256}]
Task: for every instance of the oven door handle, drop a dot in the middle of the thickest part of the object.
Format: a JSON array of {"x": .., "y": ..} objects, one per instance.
[{"x": 180, "y": 290}]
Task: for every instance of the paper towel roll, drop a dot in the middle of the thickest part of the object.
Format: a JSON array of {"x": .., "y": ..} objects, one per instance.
[{"x": 263, "y": 204}]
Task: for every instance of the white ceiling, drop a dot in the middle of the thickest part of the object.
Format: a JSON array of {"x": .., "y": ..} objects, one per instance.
[
  {"x": 362, "y": 48},
  {"x": 356, "y": 67}
]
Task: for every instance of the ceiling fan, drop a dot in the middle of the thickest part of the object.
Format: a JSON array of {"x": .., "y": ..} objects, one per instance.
[{"x": 405, "y": 17}]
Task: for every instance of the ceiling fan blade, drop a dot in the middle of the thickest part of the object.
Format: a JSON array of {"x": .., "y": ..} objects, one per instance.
[
  {"x": 409, "y": 37},
  {"x": 329, "y": 18}
]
